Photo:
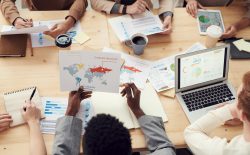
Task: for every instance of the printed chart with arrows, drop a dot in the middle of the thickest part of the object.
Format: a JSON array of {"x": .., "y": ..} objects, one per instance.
[
  {"x": 95, "y": 72},
  {"x": 134, "y": 70}
]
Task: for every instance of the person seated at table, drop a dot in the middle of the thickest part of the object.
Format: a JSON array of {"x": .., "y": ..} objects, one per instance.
[
  {"x": 137, "y": 7},
  {"x": 106, "y": 135},
  {"x": 76, "y": 11},
  {"x": 197, "y": 134},
  {"x": 244, "y": 22},
  {"x": 192, "y": 6},
  {"x": 32, "y": 116}
]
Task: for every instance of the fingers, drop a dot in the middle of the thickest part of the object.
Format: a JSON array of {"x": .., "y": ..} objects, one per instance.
[
  {"x": 128, "y": 92},
  {"x": 228, "y": 33},
  {"x": 192, "y": 9},
  {"x": 5, "y": 120},
  {"x": 123, "y": 92},
  {"x": 4, "y": 128},
  {"x": 144, "y": 3},
  {"x": 3, "y": 116},
  {"x": 136, "y": 91}
]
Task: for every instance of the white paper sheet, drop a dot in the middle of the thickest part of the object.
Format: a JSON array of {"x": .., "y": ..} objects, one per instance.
[
  {"x": 134, "y": 70},
  {"x": 8, "y": 30},
  {"x": 55, "y": 108},
  {"x": 96, "y": 71},
  {"x": 127, "y": 25},
  {"x": 42, "y": 40}
]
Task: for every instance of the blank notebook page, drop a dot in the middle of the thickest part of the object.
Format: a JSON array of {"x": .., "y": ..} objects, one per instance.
[{"x": 15, "y": 100}]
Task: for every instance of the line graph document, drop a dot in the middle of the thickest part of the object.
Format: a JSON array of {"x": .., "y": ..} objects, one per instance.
[{"x": 127, "y": 25}]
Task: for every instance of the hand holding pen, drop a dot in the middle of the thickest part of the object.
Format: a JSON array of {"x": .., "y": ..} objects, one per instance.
[
  {"x": 31, "y": 96},
  {"x": 31, "y": 113},
  {"x": 133, "y": 95}
]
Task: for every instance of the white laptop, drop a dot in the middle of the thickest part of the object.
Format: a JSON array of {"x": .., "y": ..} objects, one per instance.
[{"x": 201, "y": 81}]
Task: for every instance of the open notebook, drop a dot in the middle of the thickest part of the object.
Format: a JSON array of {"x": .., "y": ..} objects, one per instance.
[
  {"x": 15, "y": 100},
  {"x": 116, "y": 105}
]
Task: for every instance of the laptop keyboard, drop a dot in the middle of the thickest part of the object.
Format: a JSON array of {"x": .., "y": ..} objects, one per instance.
[{"x": 208, "y": 97}]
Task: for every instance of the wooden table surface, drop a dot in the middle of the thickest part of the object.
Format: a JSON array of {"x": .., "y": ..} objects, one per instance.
[{"x": 42, "y": 70}]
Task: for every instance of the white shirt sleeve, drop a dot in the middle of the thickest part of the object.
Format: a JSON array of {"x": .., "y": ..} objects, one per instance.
[{"x": 197, "y": 134}]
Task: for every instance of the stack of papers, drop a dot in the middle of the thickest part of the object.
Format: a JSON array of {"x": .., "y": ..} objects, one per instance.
[
  {"x": 9, "y": 30},
  {"x": 127, "y": 25},
  {"x": 55, "y": 108},
  {"x": 242, "y": 45},
  {"x": 42, "y": 40}
]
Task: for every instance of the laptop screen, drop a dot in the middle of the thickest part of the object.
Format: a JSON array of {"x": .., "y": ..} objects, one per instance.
[{"x": 202, "y": 67}]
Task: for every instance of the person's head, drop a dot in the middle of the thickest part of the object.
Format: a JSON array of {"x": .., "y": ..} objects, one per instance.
[
  {"x": 244, "y": 98},
  {"x": 106, "y": 135}
]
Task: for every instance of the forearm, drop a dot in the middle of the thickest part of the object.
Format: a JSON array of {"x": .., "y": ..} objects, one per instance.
[
  {"x": 37, "y": 145},
  {"x": 243, "y": 23},
  {"x": 166, "y": 5},
  {"x": 154, "y": 131},
  {"x": 78, "y": 8},
  {"x": 68, "y": 135},
  {"x": 9, "y": 10},
  {"x": 117, "y": 9},
  {"x": 102, "y": 5},
  {"x": 197, "y": 134}
]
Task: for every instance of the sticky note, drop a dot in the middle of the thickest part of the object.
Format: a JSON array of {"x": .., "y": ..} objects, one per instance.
[
  {"x": 81, "y": 37},
  {"x": 169, "y": 93},
  {"x": 242, "y": 45}
]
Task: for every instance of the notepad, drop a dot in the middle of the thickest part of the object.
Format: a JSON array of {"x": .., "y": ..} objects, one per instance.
[
  {"x": 15, "y": 100},
  {"x": 116, "y": 105},
  {"x": 242, "y": 45}
]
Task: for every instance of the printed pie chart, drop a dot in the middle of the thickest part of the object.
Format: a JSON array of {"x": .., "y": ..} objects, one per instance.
[{"x": 204, "y": 19}]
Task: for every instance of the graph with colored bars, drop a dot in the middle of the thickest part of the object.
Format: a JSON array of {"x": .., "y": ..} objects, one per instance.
[{"x": 55, "y": 108}]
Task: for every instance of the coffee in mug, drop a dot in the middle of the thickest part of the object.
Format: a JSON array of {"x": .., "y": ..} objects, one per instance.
[{"x": 137, "y": 42}]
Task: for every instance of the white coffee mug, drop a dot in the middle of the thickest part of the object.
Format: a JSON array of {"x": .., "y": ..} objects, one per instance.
[{"x": 214, "y": 33}]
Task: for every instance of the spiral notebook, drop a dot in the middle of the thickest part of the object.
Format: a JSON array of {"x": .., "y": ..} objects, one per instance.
[{"x": 15, "y": 100}]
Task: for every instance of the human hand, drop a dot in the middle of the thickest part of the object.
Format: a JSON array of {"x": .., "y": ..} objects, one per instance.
[
  {"x": 167, "y": 25},
  {"x": 133, "y": 95},
  {"x": 235, "y": 121},
  {"x": 230, "y": 32},
  {"x": 61, "y": 28},
  {"x": 5, "y": 120},
  {"x": 137, "y": 7},
  {"x": 31, "y": 113},
  {"x": 23, "y": 23},
  {"x": 75, "y": 98},
  {"x": 192, "y": 7}
]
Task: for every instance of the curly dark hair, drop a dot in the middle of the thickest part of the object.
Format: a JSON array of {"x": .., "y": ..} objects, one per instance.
[{"x": 106, "y": 135}]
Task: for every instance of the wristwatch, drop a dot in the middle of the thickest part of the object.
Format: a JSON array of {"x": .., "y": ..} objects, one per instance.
[{"x": 124, "y": 10}]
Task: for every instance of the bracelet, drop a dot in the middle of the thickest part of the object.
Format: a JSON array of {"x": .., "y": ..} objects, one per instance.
[{"x": 124, "y": 10}]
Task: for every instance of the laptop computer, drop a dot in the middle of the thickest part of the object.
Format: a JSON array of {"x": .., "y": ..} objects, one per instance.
[
  {"x": 201, "y": 81},
  {"x": 13, "y": 45}
]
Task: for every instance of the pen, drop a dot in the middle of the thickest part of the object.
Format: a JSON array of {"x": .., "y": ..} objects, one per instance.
[
  {"x": 33, "y": 93},
  {"x": 31, "y": 96}
]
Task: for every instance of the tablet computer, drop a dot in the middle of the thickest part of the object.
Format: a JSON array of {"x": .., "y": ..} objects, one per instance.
[
  {"x": 13, "y": 45},
  {"x": 205, "y": 18}
]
